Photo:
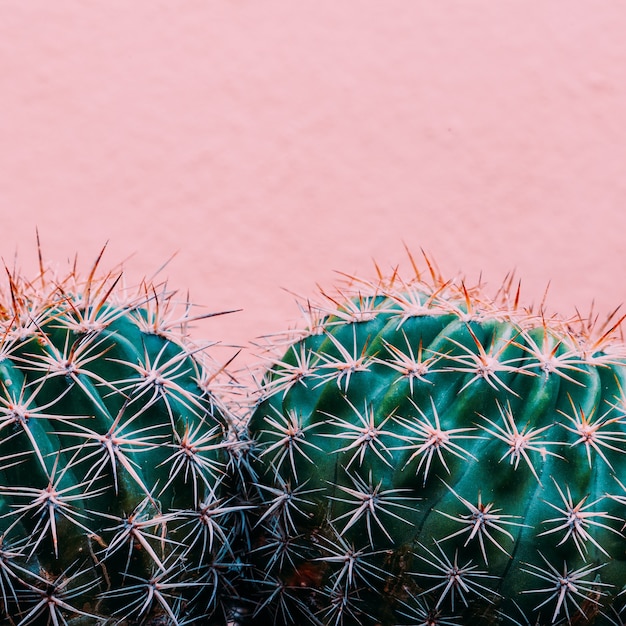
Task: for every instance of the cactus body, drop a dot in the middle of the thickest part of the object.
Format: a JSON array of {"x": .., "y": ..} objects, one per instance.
[
  {"x": 112, "y": 452},
  {"x": 427, "y": 455}
]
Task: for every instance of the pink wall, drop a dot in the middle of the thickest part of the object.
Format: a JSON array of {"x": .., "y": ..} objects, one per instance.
[{"x": 270, "y": 143}]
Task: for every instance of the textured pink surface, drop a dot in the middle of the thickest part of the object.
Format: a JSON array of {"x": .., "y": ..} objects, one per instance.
[{"x": 272, "y": 142}]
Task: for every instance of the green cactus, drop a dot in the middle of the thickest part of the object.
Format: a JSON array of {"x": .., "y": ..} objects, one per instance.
[
  {"x": 113, "y": 451},
  {"x": 424, "y": 454}
]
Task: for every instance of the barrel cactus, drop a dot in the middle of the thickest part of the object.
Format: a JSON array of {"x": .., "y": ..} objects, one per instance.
[
  {"x": 113, "y": 452},
  {"x": 424, "y": 454}
]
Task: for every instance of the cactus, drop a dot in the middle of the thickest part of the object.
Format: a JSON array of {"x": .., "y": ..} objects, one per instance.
[
  {"x": 113, "y": 450},
  {"x": 426, "y": 454}
]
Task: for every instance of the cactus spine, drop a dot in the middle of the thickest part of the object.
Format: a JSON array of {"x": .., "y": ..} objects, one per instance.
[
  {"x": 425, "y": 454},
  {"x": 113, "y": 450}
]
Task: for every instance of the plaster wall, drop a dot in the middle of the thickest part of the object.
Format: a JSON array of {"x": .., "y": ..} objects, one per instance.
[{"x": 269, "y": 143}]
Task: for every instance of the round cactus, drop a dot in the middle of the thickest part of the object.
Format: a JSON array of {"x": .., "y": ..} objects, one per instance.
[
  {"x": 113, "y": 449},
  {"x": 427, "y": 455}
]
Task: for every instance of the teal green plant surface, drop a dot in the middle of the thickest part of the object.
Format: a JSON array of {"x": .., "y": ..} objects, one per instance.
[
  {"x": 113, "y": 453},
  {"x": 423, "y": 454}
]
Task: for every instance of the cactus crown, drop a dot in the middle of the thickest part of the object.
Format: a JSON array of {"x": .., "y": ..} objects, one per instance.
[
  {"x": 425, "y": 454},
  {"x": 113, "y": 449}
]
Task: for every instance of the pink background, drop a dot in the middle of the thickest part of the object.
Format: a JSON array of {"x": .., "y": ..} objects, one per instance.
[{"x": 272, "y": 142}]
